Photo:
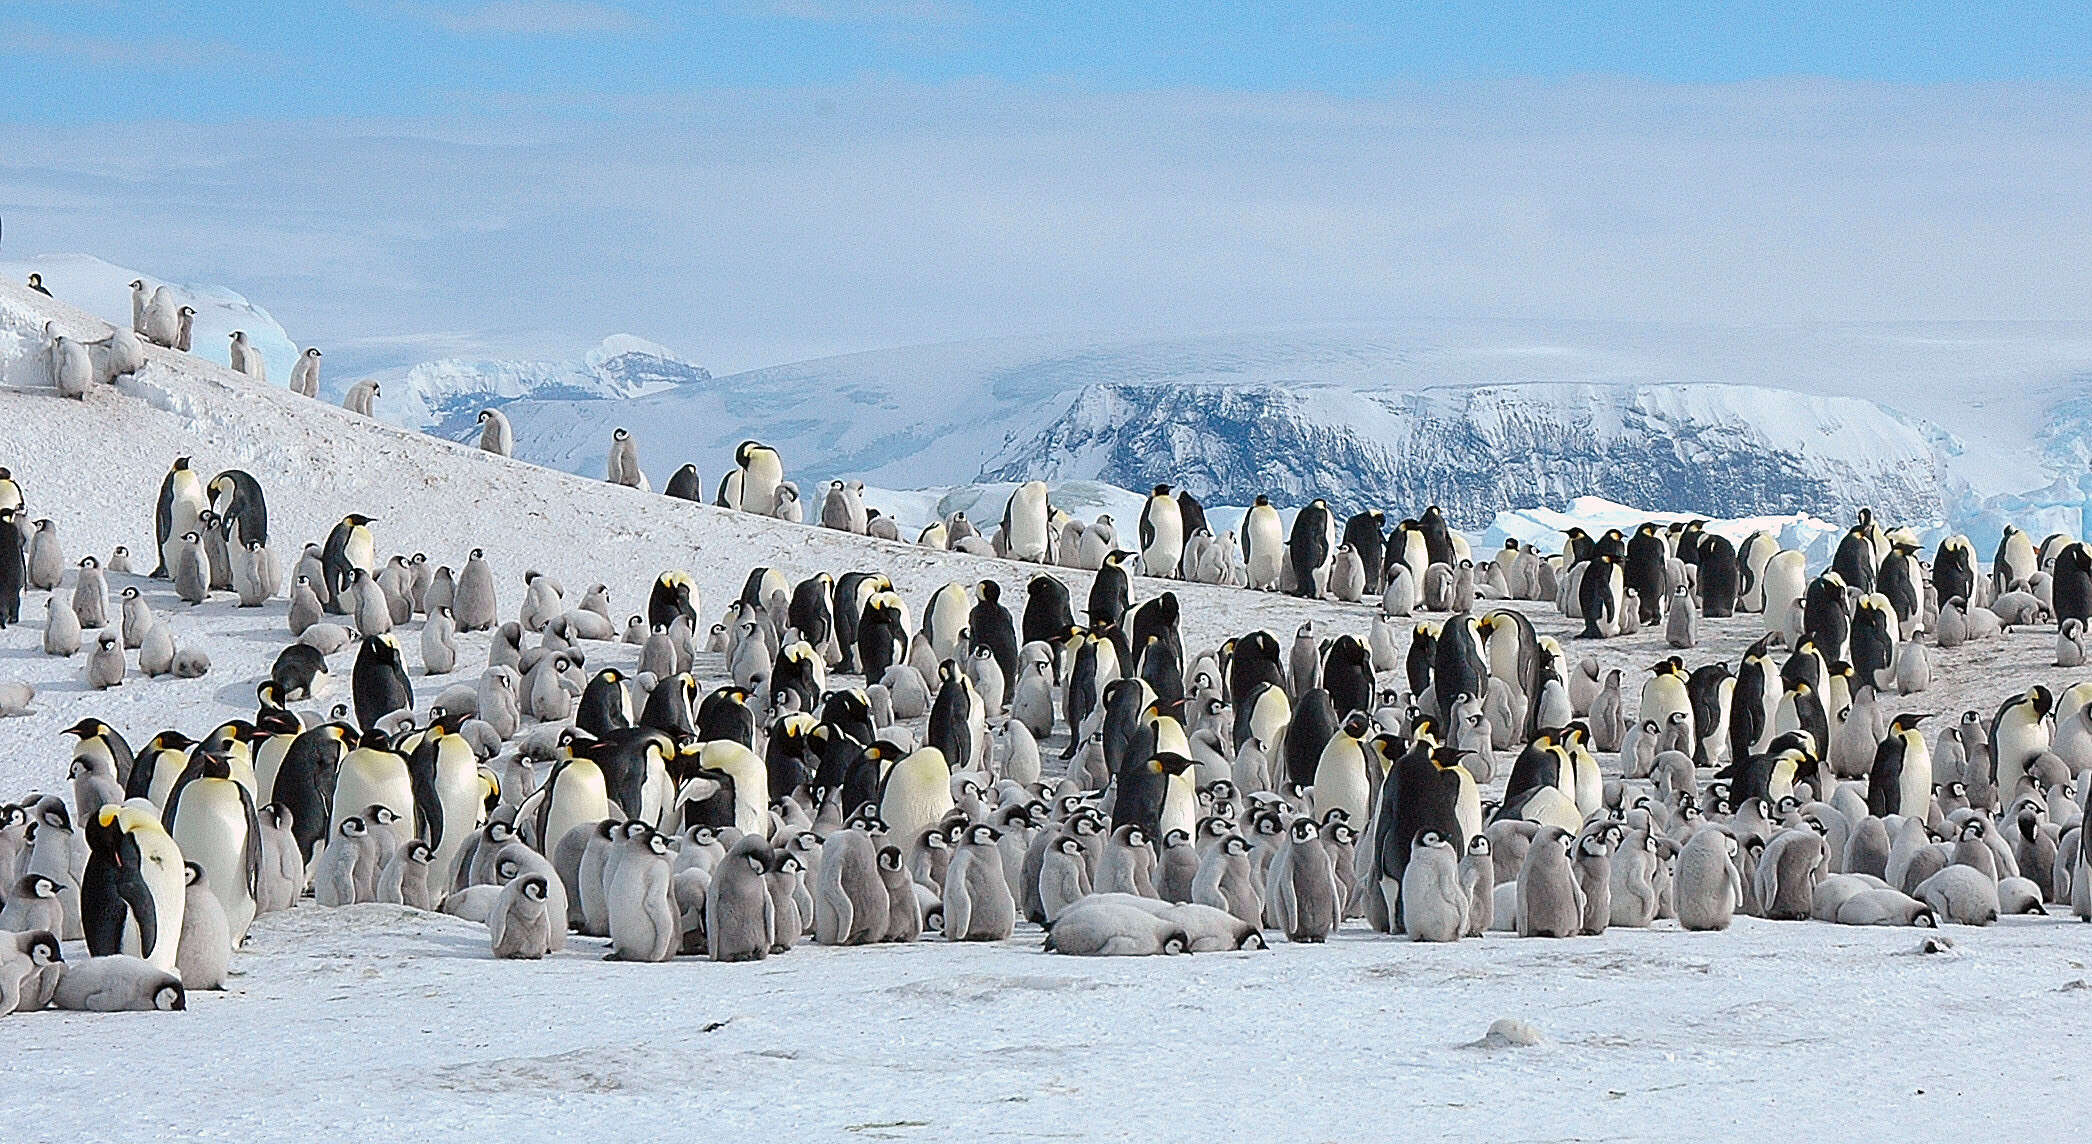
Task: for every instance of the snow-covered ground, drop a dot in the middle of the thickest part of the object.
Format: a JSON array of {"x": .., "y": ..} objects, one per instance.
[{"x": 391, "y": 1021}]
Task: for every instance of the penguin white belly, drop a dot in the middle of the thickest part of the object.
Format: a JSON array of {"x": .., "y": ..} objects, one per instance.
[
  {"x": 361, "y": 550},
  {"x": 266, "y": 763},
  {"x": 1914, "y": 785},
  {"x": 167, "y": 883},
  {"x": 368, "y": 780},
  {"x": 457, "y": 790},
  {"x": 1467, "y": 808},
  {"x": 759, "y": 482},
  {"x": 580, "y": 797},
  {"x": 1340, "y": 781},
  {"x": 211, "y": 829},
  {"x": 1180, "y": 805},
  {"x": 164, "y": 774}
]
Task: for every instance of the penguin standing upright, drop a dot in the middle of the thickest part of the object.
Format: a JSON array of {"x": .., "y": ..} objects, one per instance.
[
  {"x": 1311, "y": 549},
  {"x": 349, "y": 547},
  {"x": 1161, "y": 534},
  {"x": 1027, "y": 523},
  {"x": 211, "y": 817},
  {"x": 133, "y": 893},
  {"x": 1263, "y": 545},
  {"x": 14, "y": 569},
  {"x": 379, "y": 683},
  {"x": 1366, "y": 534},
  {"x": 180, "y": 509}
]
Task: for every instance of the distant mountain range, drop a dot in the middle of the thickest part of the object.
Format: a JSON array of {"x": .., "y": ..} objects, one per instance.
[{"x": 1958, "y": 422}]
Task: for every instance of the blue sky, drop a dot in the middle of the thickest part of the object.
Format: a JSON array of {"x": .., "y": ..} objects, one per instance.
[
  {"x": 758, "y": 180},
  {"x": 237, "y": 59}
]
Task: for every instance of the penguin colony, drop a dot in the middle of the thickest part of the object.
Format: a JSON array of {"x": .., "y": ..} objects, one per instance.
[{"x": 854, "y": 770}]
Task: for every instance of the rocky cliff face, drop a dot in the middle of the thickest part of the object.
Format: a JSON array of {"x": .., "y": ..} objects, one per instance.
[{"x": 1720, "y": 449}]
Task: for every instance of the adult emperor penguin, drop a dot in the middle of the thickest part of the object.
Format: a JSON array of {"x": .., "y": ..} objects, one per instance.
[
  {"x": 1312, "y": 547},
  {"x": 2021, "y": 730},
  {"x": 1161, "y": 534},
  {"x": 445, "y": 776},
  {"x": 758, "y": 470},
  {"x": 1027, "y": 523},
  {"x": 916, "y": 794},
  {"x": 495, "y": 435},
  {"x": 132, "y": 895},
  {"x": 180, "y": 510},
  {"x": 1901, "y": 781},
  {"x": 374, "y": 774},
  {"x": 349, "y": 546},
  {"x": 305, "y": 374},
  {"x": 1601, "y": 597},
  {"x": 2015, "y": 563},
  {"x": 379, "y": 683},
  {"x": 1786, "y": 582},
  {"x": 242, "y": 511},
  {"x": 1263, "y": 545},
  {"x": 211, "y": 817}
]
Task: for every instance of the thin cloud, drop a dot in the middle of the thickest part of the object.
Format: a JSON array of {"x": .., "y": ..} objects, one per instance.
[
  {"x": 159, "y": 54},
  {"x": 524, "y": 18},
  {"x": 873, "y": 12}
]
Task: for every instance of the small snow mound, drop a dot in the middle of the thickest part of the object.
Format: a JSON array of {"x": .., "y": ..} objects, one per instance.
[{"x": 1508, "y": 1033}]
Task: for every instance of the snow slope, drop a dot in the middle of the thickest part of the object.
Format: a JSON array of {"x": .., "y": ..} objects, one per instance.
[
  {"x": 104, "y": 290},
  {"x": 377, "y": 1017}
]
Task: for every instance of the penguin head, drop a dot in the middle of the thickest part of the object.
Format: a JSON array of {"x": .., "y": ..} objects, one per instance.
[
  {"x": 1303, "y": 831},
  {"x": 192, "y": 874},
  {"x": 169, "y": 997},
  {"x": 353, "y": 827}
]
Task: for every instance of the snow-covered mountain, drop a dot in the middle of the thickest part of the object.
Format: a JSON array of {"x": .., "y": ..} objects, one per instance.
[
  {"x": 1921, "y": 420},
  {"x": 444, "y": 397}
]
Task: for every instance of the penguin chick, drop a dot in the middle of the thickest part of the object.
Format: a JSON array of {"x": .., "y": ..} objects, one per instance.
[
  {"x": 205, "y": 946},
  {"x": 1434, "y": 900},
  {"x": 1101, "y": 927}
]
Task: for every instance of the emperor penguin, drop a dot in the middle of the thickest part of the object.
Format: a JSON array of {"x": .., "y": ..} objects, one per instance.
[
  {"x": 1785, "y": 585},
  {"x": 72, "y": 368},
  {"x": 379, "y": 681},
  {"x": 843, "y": 508},
  {"x": 1708, "y": 887},
  {"x": 246, "y": 359},
  {"x": 474, "y": 604},
  {"x": 1301, "y": 889},
  {"x": 211, "y": 817},
  {"x": 523, "y": 926},
  {"x": 1901, "y": 779},
  {"x": 851, "y": 904},
  {"x": 495, "y": 435},
  {"x": 758, "y": 470},
  {"x": 1312, "y": 547},
  {"x": 741, "y": 922},
  {"x": 1027, "y": 523},
  {"x": 118, "y": 983},
  {"x": 643, "y": 923},
  {"x": 1550, "y": 898},
  {"x": 373, "y": 774},
  {"x": 978, "y": 905},
  {"x": 350, "y": 546},
  {"x": 180, "y": 510},
  {"x": 91, "y": 594},
  {"x": 206, "y": 945},
  {"x": 1435, "y": 900},
  {"x": 1161, "y": 534},
  {"x": 132, "y": 895},
  {"x": 305, "y": 374},
  {"x": 915, "y": 795},
  {"x": 623, "y": 461},
  {"x": 2021, "y": 730},
  {"x": 362, "y": 398},
  {"x": 1113, "y": 926}
]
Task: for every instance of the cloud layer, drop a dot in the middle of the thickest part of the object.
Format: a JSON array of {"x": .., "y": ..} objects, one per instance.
[{"x": 745, "y": 228}]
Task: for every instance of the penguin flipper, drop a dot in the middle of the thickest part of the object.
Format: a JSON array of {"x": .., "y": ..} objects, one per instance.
[{"x": 138, "y": 896}]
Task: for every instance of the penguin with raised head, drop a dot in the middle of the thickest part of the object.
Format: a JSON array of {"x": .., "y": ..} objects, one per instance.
[
  {"x": 1161, "y": 534},
  {"x": 210, "y": 814},
  {"x": 179, "y": 510}
]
